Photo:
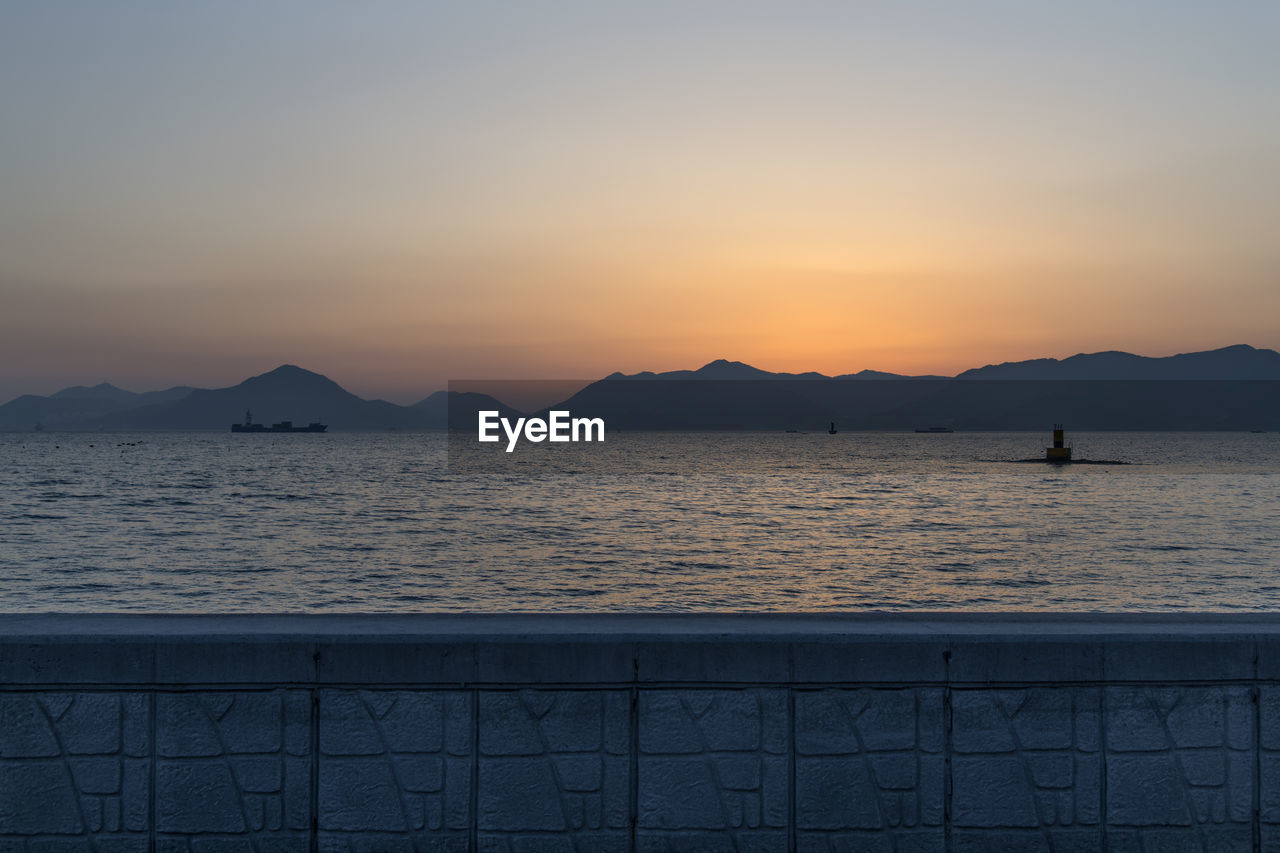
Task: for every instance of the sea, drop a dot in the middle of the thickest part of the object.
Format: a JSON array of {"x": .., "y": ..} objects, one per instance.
[{"x": 647, "y": 521}]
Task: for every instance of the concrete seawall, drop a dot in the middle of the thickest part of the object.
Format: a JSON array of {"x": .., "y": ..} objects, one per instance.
[{"x": 639, "y": 732}]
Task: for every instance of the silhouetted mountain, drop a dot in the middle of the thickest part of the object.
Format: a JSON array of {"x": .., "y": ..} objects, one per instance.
[
  {"x": 1112, "y": 390},
  {"x": 459, "y": 409},
  {"x": 72, "y": 407},
  {"x": 107, "y": 391},
  {"x": 719, "y": 369},
  {"x": 911, "y": 404},
  {"x": 1234, "y": 362},
  {"x": 286, "y": 393},
  {"x": 1108, "y": 390},
  {"x": 175, "y": 393},
  {"x": 101, "y": 391},
  {"x": 881, "y": 375},
  {"x": 294, "y": 380},
  {"x": 25, "y": 412}
]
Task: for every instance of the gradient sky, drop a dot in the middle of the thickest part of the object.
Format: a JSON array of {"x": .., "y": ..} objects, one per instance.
[{"x": 400, "y": 193}]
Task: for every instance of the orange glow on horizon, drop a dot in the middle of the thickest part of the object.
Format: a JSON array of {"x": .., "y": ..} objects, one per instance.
[{"x": 400, "y": 194}]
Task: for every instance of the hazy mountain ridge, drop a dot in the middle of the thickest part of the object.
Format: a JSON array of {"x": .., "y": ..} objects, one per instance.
[
  {"x": 807, "y": 406},
  {"x": 285, "y": 393},
  {"x": 1240, "y": 361},
  {"x": 107, "y": 391},
  {"x": 1235, "y": 362},
  {"x": 74, "y": 406},
  {"x": 459, "y": 409},
  {"x": 724, "y": 395},
  {"x": 101, "y": 391},
  {"x": 716, "y": 370},
  {"x": 1109, "y": 390},
  {"x": 723, "y": 369}
]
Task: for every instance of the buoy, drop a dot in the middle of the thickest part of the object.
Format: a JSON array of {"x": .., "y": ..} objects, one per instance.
[{"x": 1059, "y": 452}]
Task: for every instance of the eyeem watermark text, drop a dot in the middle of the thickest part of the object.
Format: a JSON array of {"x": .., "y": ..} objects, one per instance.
[{"x": 558, "y": 427}]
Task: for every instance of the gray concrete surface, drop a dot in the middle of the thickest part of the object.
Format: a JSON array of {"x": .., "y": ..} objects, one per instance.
[{"x": 645, "y": 732}]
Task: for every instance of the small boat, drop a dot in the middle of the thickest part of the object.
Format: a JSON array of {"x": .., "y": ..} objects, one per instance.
[{"x": 935, "y": 429}]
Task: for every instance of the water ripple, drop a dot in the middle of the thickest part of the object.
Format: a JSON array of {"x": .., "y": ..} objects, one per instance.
[{"x": 646, "y": 522}]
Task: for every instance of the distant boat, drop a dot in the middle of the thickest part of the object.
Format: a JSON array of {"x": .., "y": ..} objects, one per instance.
[
  {"x": 936, "y": 429},
  {"x": 283, "y": 426}
]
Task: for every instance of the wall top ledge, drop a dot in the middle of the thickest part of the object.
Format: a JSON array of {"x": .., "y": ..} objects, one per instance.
[
  {"x": 532, "y": 649},
  {"x": 508, "y": 627}
]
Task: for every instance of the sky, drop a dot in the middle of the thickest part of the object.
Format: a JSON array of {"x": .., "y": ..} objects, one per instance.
[{"x": 397, "y": 193}]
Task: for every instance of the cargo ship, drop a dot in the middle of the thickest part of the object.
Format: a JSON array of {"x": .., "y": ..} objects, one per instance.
[{"x": 283, "y": 426}]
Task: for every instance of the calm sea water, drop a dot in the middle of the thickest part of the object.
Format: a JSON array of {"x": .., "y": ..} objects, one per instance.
[{"x": 647, "y": 521}]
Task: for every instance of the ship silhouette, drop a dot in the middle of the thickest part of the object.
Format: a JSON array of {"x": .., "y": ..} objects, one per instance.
[{"x": 283, "y": 426}]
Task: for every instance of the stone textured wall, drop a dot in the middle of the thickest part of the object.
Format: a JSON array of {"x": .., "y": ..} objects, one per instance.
[{"x": 536, "y": 762}]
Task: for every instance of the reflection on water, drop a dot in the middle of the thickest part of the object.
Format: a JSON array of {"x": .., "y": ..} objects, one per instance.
[{"x": 646, "y": 521}]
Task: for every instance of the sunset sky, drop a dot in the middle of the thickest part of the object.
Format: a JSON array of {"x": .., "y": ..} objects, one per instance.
[{"x": 400, "y": 193}]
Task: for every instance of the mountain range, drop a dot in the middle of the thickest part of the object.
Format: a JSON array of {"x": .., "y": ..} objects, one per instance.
[
  {"x": 286, "y": 393},
  {"x": 1234, "y": 388},
  {"x": 1105, "y": 390},
  {"x": 1235, "y": 362}
]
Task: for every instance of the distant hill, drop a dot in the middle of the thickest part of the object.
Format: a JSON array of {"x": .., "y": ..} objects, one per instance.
[
  {"x": 1233, "y": 388},
  {"x": 107, "y": 391},
  {"x": 26, "y": 412},
  {"x": 719, "y": 369},
  {"x": 286, "y": 393},
  {"x": 102, "y": 391},
  {"x": 880, "y": 375},
  {"x": 72, "y": 407},
  {"x": 723, "y": 369},
  {"x": 914, "y": 404},
  {"x": 459, "y": 409},
  {"x": 1234, "y": 362},
  {"x": 1105, "y": 390}
]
